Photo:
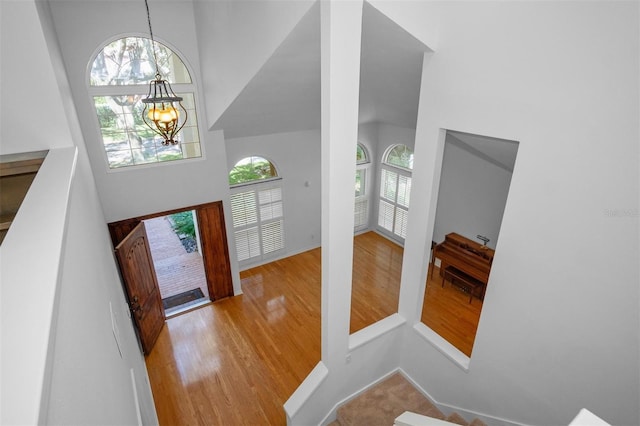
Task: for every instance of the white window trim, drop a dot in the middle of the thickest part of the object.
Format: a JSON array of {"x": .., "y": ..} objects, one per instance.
[{"x": 141, "y": 89}]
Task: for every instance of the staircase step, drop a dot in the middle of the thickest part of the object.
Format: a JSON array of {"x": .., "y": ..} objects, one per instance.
[
  {"x": 385, "y": 401},
  {"x": 457, "y": 419}
]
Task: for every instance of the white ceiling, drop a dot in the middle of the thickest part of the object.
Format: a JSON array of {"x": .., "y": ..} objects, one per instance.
[
  {"x": 284, "y": 96},
  {"x": 501, "y": 152}
]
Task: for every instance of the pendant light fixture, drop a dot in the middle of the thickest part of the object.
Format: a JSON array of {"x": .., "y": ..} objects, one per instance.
[{"x": 162, "y": 107}]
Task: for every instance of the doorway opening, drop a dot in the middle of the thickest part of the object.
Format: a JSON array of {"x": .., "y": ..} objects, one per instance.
[{"x": 177, "y": 258}]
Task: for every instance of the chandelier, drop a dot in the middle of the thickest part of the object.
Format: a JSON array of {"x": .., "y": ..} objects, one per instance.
[{"x": 162, "y": 107}]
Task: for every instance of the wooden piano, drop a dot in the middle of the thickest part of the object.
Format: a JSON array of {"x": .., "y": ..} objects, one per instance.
[{"x": 469, "y": 260}]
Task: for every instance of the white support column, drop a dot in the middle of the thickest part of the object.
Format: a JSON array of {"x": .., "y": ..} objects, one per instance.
[
  {"x": 428, "y": 152},
  {"x": 341, "y": 28}
]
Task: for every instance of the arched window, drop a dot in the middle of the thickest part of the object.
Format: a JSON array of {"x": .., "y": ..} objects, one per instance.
[
  {"x": 395, "y": 191},
  {"x": 399, "y": 156},
  {"x": 251, "y": 169},
  {"x": 257, "y": 209},
  {"x": 361, "y": 154},
  {"x": 118, "y": 81},
  {"x": 361, "y": 211}
]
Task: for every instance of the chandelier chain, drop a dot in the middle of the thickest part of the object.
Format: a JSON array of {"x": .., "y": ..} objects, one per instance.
[{"x": 153, "y": 42}]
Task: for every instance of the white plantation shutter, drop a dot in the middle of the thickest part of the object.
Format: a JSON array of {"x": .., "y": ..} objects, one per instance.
[
  {"x": 361, "y": 216},
  {"x": 272, "y": 236},
  {"x": 247, "y": 243},
  {"x": 395, "y": 194},
  {"x": 243, "y": 208},
  {"x": 388, "y": 186},
  {"x": 385, "y": 215},
  {"x": 270, "y": 203},
  {"x": 258, "y": 221},
  {"x": 404, "y": 190},
  {"x": 400, "y": 226}
]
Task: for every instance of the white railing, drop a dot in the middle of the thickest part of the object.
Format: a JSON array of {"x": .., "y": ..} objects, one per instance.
[{"x": 30, "y": 255}]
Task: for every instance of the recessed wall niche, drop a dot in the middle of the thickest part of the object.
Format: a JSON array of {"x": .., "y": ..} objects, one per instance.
[{"x": 473, "y": 189}]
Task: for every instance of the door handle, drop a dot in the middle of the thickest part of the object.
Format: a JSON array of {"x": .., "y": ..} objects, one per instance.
[{"x": 136, "y": 308}]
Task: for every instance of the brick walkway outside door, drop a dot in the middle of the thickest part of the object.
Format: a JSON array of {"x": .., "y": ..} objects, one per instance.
[{"x": 177, "y": 270}]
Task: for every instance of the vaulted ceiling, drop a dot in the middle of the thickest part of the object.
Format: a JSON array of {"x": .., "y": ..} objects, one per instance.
[{"x": 284, "y": 95}]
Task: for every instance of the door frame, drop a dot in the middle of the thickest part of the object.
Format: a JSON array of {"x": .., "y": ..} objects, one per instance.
[{"x": 213, "y": 236}]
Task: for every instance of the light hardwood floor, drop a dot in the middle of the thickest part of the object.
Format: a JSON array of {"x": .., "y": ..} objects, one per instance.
[
  {"x": 236, "y": 362},
  {"x": 447, "y": 311}
]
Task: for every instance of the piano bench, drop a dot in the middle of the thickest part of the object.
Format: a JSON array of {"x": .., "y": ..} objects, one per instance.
[{"x": 464, "y": 282}]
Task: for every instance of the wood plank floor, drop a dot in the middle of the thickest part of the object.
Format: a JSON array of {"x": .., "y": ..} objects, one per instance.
[
  {"x": 375, "y": 290},
  {"x": 236, "y": 361},
  {"x": 447, "y": 311}
]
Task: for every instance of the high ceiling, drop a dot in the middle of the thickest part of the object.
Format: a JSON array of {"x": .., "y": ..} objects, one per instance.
[
  {"x": 284, "y": 95},
  {"x": 500, "y": 152}
]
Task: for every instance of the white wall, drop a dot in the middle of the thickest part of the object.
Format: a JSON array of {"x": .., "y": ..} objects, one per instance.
[
  {"x": 136, "y": 191},
  {"x": 471, "y": 196},
  {"x": 235, "y": 39},
  {"x": 60, "y": 363},
  {"x": 296, "y": 157},
  {"x": 31, "y": 74},
  {"x": 559, "y": 327},
  {"x": 91, "y": 380}
]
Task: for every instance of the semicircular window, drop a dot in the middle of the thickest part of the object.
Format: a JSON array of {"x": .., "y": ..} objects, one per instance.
[
  {"x": 251, "y": 169},
  {"x": 400, "y": 156},
  {"x": 118, "y": 81}
]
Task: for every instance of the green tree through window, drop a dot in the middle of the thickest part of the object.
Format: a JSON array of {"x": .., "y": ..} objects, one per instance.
[
  {"x": 400, "y": 156},
  {"x": 251, "y": 169},
  {"x": 118, "y": 81}
]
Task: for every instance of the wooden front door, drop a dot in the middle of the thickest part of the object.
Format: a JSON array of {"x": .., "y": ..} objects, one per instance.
[
  {"x": 139, "y": 276},
  {"x": 215, "y": 252},
  {"x": 213, "y": 236}
]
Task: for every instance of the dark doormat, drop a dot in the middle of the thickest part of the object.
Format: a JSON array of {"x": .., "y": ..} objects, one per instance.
[{"x": 182, "y": 298}]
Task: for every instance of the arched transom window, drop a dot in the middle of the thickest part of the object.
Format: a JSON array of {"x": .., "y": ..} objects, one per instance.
[
  {"x": 399, "y": 156},
  {"x": 118, "y": 81},
  {"x": 395, "y": 191},
  {"x": 251, "y": 169}
]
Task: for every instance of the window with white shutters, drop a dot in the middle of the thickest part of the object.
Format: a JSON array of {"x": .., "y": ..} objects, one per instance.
[
  {"x": 258, "y": 221},
  {"x": 257, "y": 210},
  {"x": 361, "y": 215},
  {"x": 395, "y": 191}
]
